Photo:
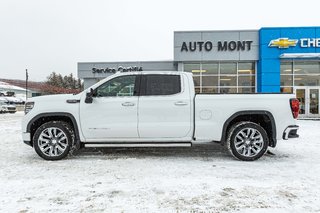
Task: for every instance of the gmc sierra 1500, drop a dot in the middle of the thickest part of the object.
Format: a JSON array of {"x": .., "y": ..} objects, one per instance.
[{"x": 157, "y": 109}]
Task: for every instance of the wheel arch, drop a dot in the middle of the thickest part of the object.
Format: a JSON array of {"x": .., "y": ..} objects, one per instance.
[
  {"x": 42, "y": 118},
  {"x": 261, "y": 117}
]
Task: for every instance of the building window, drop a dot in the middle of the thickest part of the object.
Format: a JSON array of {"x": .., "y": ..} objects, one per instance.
[
  {"x": 223, "y": 77},
  {"x": 299, "y": 73}
]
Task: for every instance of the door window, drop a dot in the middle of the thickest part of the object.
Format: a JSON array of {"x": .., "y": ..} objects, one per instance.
[
  {"x": 120, "y": 86},
  {"x": 160, "y": 84}
]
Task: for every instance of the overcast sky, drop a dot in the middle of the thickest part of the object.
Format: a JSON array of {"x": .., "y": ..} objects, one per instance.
[{"x": 45, "y": 36}]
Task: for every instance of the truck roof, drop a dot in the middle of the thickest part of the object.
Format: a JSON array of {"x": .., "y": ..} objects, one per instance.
[
  {"x": 146, "y": 72},
  {"x": 149, "y": 72}
]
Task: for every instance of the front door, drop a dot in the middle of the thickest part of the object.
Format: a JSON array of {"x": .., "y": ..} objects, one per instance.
[
  {"x": 309, "y": 101},
  {"x": 113, "y": 112}
]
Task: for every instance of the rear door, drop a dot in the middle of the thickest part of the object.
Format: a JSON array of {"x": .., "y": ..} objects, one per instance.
[{"x": 164, "y": 109}]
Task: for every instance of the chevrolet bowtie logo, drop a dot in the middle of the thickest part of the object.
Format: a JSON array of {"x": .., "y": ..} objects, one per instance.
[{"x": 283, "y": 43}]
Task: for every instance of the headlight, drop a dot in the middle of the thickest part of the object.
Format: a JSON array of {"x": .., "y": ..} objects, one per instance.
[{"x": 28, "y": 107}]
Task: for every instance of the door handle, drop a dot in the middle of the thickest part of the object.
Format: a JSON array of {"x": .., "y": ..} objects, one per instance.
[
  {"x": 127, "y": 104},
  {"x": 180, "y": 103}
]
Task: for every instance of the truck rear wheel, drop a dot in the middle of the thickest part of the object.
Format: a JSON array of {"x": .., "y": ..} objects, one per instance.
[
  {"x": 247, "y": 141},
  {"x": 52, "y": 140}
]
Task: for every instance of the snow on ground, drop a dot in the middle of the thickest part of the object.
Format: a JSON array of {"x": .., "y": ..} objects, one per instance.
[{"x": 201, "y": 178}]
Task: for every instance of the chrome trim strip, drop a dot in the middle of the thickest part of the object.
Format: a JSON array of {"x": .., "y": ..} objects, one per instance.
[
  {"x": 138, "y": 145},
  {"x": 288, "y": 130}
]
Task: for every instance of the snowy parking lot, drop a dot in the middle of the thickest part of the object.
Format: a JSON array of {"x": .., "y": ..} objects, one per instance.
[{"x": 201, "y": 178}]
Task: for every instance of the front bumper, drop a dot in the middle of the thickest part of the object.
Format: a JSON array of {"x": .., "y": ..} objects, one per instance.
[{"x": 290, "y": 132}]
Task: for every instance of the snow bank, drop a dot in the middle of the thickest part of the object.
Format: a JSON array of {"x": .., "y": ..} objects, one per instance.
[{"x": 201, "y": 178}]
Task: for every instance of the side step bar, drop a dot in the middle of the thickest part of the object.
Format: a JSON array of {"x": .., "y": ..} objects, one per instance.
[{"x": 182, "y": 144}]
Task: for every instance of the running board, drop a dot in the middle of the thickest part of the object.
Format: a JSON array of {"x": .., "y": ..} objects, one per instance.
[{"x": 188, "y": 144}]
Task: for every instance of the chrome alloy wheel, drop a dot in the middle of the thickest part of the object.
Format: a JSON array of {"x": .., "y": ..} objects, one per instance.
[
  {"x": 53, "y": 141},
  {"x": 249, "y": 142}
]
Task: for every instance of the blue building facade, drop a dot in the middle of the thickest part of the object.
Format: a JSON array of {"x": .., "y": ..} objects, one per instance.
[
  {"x": 289, "y": 62},
  {"x": 289, "y": 43}
]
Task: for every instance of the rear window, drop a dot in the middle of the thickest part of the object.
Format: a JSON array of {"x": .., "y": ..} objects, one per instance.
[{"x": 160, "y": 84}]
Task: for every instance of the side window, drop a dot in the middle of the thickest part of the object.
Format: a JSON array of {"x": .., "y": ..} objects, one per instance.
[
  {"x": 120, "y": 86},
  {"x": 161, "y": 84}
]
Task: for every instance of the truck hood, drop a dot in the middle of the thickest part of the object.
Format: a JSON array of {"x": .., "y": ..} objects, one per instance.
[{"x": 55, "y": 98}]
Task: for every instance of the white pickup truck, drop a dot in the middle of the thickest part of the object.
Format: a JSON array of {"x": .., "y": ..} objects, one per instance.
[{"x": 157, "y": 109}]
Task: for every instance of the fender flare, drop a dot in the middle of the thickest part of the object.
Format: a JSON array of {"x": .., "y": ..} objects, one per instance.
[
  {"x": 62, "y": 114},
  {"x": 273, "y": 138}
]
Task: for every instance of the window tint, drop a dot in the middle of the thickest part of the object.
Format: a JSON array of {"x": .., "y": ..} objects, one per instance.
[
  {"x": 161, "y": 84},
  {"x": 121, "y": 86}
]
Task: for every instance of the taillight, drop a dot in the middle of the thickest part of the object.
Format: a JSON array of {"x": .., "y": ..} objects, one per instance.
[{"x": 294, "y": 104}]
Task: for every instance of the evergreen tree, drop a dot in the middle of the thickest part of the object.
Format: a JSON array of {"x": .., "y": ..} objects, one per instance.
[
  {"x": 56, "y": 83},
  {"x": 60, "y": 82},
  {"x": 52, "y": 79},
  {"x": 66, "y": 82}
]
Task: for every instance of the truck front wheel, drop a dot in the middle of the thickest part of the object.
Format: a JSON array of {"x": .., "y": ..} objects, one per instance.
[
  {"x": 247, "y": 141},
  {"x": 52, "y": 140}
]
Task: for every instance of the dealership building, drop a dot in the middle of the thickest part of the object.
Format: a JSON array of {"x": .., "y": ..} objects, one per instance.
[{"x": 269, "y": 60}]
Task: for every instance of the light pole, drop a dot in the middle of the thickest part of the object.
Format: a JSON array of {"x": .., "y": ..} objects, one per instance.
[{"x": 27, "y": 84}]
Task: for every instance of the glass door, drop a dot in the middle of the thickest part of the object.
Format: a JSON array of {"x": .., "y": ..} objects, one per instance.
[
  {"x": 309, "y": 101},
  {"x": 313, "y": 102}
]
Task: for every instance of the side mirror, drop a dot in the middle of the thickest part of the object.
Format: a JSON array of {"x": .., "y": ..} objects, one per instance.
[{"x": 89, "y": 96}]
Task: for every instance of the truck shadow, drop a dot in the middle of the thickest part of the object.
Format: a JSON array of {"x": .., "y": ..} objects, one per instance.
[{"x": 208, "y": 150}]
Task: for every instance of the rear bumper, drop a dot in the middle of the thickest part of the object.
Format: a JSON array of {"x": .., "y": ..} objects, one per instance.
[{"x": 290, "y": 132}]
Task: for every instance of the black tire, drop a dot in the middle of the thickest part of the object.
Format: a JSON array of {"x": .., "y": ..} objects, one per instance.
[
  {"x": 247, "y": 141},
  {"x": 52, "y": 140}
]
